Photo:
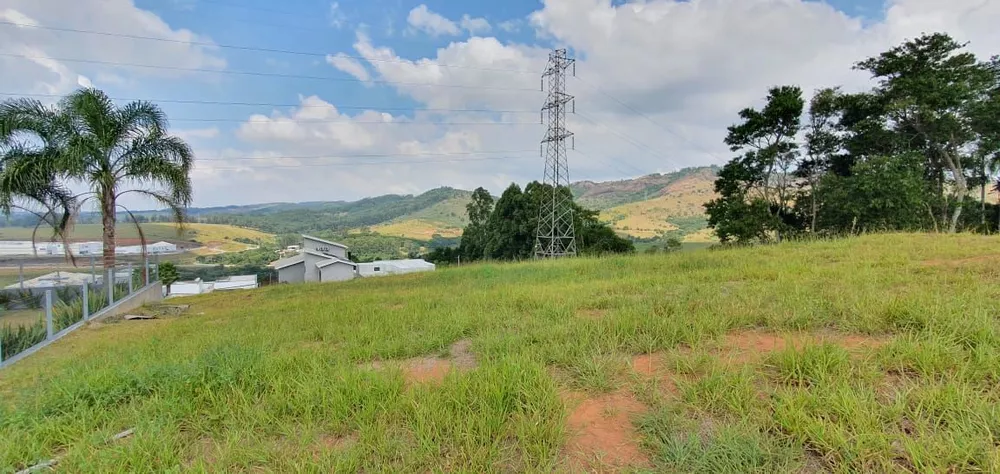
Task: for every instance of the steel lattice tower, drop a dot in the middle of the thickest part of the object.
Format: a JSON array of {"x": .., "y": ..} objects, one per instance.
[{"x": 556, "y": 236}]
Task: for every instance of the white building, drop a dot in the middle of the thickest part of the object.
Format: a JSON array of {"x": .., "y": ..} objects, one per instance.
[
  {"x": 394, "y": 267},
  {"x": 319, "y": 260},
  {"x": 235, "y": 282},
  {"x": 199, "y": 287},
  {"x": 27, "y": 248}
]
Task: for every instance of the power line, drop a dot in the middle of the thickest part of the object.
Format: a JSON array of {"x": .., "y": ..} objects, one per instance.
[
  {"x": 282, "y": 120},
  {"x": 272, "y": 104},
  {"x": 266, "y": 74},
  {"x": 247, "y": 48},
  {"x": 635, "y": 143},
  {"x": 367, "y": 155},
  {"x": 634, "y": 110},
  {"x": 323, "y": 165}
]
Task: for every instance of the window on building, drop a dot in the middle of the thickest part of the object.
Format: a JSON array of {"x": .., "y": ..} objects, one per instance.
[{"x": 378, "y": 269}]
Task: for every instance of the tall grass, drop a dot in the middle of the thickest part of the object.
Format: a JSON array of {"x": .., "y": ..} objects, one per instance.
[{"x": 281, "y": 378}]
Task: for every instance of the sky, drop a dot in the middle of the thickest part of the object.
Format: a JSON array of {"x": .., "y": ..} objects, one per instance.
[{"x": 313, "y": 100}]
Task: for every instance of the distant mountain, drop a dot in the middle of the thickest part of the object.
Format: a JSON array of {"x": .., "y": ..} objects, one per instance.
[
  {"x": 608, "y": 194},
  {"x": 643, "y": 207}
]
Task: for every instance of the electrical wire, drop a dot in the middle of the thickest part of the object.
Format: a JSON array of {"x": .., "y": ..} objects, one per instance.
[
  {"x": 366, "y": 155},
  {"x": 267, "y": 74},
  {"x": 272, "y": 104},
  {"x": 248, "y": 48},
  {"x": 381, "y": 163}
]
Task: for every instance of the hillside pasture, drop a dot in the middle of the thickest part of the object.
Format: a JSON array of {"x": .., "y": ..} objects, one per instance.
[{"x": 872, "y": 354}]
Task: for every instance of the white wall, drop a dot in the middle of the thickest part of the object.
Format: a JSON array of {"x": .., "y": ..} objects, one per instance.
[
  {"x": 337, "y": 272},
  {"x": 292, "y": 274}
]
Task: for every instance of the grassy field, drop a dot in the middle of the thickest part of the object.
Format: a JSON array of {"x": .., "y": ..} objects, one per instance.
[
  {"x": 417, "y": 229},
  {"x": 873, "y": 354}
]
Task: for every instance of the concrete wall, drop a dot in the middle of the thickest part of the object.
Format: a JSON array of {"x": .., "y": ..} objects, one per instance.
[
  {"x": 150, "y": 294},
  {"x": 293, "y": 274},
  {"x": 337, "y": 272}
]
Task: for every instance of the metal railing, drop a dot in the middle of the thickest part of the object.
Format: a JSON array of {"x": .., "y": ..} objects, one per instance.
[{"x": 37, "y": 312}]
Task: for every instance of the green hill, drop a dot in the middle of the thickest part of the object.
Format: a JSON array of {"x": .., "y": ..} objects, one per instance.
[{"x": 872, "y": 354}]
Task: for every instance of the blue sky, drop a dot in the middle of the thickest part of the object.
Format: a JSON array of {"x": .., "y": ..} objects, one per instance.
[{"x": 658, "y": 80}]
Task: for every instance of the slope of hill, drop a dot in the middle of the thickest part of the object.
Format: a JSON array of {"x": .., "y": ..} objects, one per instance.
[
  {"x": 770, "y": 359},
  {"x": 678, "y": 207},
  {"x": 446, "y": 218},
  {"x": 609, "y": 194}
]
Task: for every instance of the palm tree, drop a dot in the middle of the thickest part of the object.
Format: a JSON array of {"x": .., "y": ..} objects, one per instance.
[
  {"x": 124, "y": 150},
  {"x": 30, "y": 144},
  {"x": 114, "y": 150}
]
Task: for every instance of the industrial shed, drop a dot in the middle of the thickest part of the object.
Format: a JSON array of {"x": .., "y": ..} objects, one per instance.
[{"x": 394, "y": 267}]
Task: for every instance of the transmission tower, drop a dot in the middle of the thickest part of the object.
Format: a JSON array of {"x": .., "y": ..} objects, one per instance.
[{"x": 556, "y": 236}]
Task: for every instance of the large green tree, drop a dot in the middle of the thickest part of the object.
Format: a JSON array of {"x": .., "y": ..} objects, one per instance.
[
  {"x": 932, "y": 90},
  {"x": 114, "y": 150},
  {"x": 475, "y": 234},
  {"x": 755, "y": 189}
]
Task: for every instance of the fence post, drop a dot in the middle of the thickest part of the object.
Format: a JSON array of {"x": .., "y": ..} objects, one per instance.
[
  {"x": 130, "y": 278},
  {"x": 48, "y": 313},
  {"x": 110, "y": 283},
  {"x": 20, "y": 275},
  {"x": 145, "y": 268},
  {"x": 86, "y": 305}
]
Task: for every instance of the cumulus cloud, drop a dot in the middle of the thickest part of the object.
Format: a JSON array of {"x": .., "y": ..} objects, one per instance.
[{"x": 41, "y": 69}]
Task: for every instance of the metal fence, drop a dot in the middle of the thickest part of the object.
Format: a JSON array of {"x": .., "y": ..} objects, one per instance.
[{"x": 37, "y": 312}]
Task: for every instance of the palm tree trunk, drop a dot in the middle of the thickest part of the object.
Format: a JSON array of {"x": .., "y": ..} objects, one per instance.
[{"x": 108, "y": 220}]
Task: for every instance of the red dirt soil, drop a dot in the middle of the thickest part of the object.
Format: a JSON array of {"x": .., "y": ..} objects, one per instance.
[
  {"x": 651, "y": 366},
  {"x": 601, "y": 435},
  {"x": 434, "y": 369},
  {"x": 746, "y": 346}
]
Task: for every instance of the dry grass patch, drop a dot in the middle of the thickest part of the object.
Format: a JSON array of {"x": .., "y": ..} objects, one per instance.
[{"x": 418, "y": 370}]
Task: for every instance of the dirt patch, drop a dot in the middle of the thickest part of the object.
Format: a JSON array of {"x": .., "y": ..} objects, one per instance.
[
  {"x": 601, "y": 435},
  {"x": 434, "y": 369},
  {"x": 592, "y": 313},
  {"x": 461, "y": 355},
  {"x": 652, "y": 367},
  {"x": 749, "y": 346}
]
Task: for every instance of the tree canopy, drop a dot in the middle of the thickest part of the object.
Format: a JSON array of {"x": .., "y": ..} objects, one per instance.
[{"x": 901, "y": 156}]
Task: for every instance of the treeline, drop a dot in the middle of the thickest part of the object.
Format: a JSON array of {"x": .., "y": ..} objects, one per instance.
[
  {"x": 505, "y": 229},
  {"x": 905, "y": 156}
]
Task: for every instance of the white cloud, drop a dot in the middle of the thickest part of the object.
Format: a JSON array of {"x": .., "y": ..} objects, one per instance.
[
  {"x": 43, "y": 72},
  {"x": 423, "y": 19},
  {"x": 349, "y": 65},
  {"x": 429, "y": 22},
  {"x": 474, "y": 25}
]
